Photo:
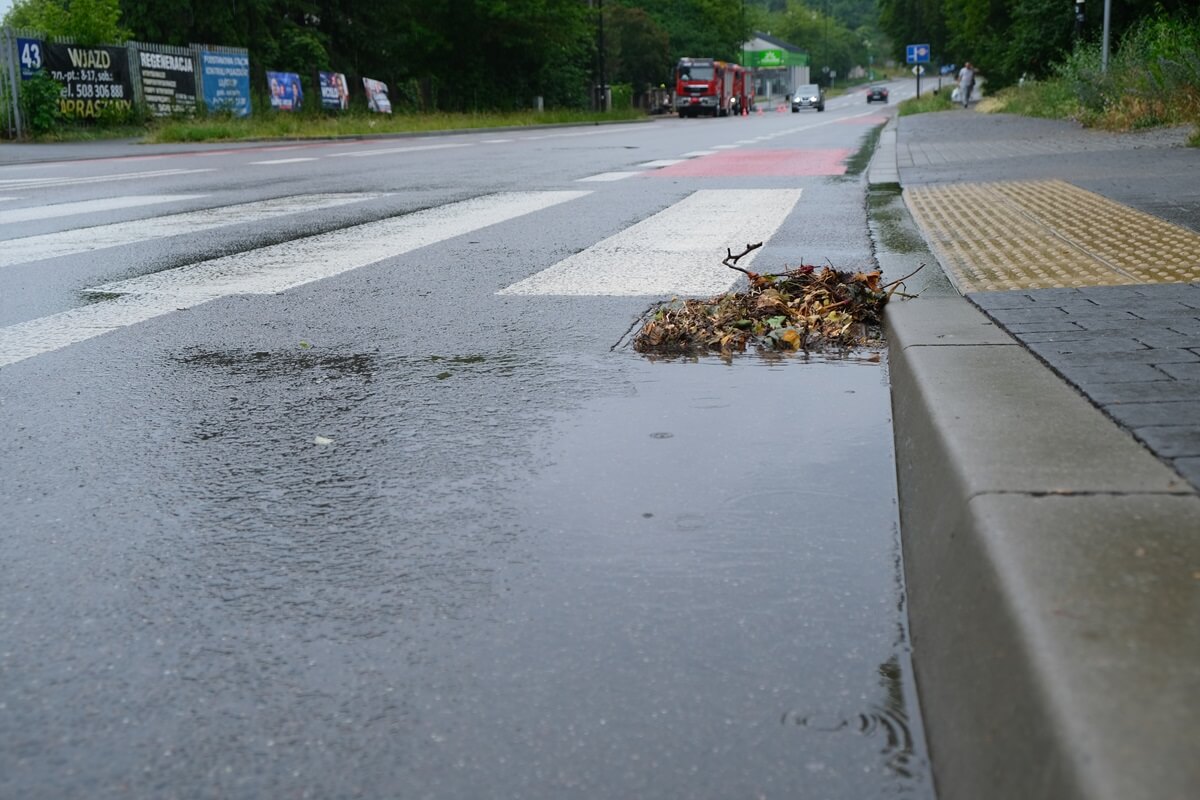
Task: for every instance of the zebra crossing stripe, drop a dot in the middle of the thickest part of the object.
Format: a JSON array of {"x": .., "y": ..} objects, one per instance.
[
  {"x": 267, "y": 270},
  {"x": 604, "y": 177},
  {"x": 675, "y": 252},
  {"x": 84, "y": 240},
  {"x": 90, "y": 207}
]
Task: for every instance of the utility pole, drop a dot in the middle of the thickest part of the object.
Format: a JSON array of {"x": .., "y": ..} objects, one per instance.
[
  {"x": 603, "y": 100},
  {"x": 1104, "y": 50}
]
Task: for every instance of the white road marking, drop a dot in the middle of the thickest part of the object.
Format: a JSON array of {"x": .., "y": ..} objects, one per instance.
[
  {"x": 698, "y": 153},
  {"x": 496, "y": 141},
  {"x": 598, "y": 132},
  {"x": 675, "y": 252},
  {"x": 9, "y": 198},
  {"x": 267, "y": 270},
  {"x": 725, "y": 147},
  {"x": 40, "y": 183},
  {"x": 663, "y": 162},
  {"x": 90, "y": 206},
  {"x": 83, "y": 240},
  {"x": 608, "y": 176},
  {"x": 388, "y": 151},
  {"x": 285, "y": 160}
]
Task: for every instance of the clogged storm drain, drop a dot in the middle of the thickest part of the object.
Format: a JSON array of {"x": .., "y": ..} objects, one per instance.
[{"x": 803, "y": 309}]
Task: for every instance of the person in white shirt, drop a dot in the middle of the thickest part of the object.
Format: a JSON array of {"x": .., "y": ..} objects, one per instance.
[{"x": 966, "y": 82}]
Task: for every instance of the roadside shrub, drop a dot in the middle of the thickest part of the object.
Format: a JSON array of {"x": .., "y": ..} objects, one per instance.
[
  {"x": 622, "y": 95},
  {"x": 1153, "y": 76},
  {"x": 39, "y": 104}
]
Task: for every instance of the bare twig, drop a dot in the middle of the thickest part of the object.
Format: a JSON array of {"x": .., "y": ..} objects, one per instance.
[
  {"x": 902, "y": 280},
  {"x": 731, "y": 260}
]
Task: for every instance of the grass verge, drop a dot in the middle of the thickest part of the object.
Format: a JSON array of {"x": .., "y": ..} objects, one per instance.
[
  {"x": 303, "y": 126},
  {"x": 926, "y": 103}
]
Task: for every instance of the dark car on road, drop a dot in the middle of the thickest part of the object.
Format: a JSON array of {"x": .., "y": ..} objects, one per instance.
[
  {"x": 808, "y": 96},
  {"x": 879, "y": 93}
]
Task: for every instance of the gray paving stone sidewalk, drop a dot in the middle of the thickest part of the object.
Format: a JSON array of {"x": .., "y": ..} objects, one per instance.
[{"x": 1133, "y": 350}]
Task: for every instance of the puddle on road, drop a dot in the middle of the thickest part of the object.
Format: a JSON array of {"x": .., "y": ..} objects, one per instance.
[
  {"x": 602, "y": 576},
  {"x": 720, "y": 599}
]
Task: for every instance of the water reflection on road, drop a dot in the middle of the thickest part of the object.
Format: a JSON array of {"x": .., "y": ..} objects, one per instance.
[{"x": 717, "y": 604}]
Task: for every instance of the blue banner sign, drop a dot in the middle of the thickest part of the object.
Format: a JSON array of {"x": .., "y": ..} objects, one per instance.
[{"x": 225, "y": 79}]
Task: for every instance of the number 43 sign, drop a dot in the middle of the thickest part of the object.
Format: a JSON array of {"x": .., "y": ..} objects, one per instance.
[{"x": 29, "y": 52}]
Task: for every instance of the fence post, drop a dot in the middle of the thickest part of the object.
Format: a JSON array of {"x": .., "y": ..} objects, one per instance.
[{"x": 8, "y": 46}]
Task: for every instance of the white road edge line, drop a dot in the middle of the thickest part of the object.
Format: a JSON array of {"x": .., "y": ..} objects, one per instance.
[
  {"x": 286, "y": 160},
  {"x": 267, "y": 270},
  {"x": 653, "y": 258},
  {"x": 387, "y": 151}
]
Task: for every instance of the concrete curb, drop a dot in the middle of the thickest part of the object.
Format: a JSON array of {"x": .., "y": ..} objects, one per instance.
[{"x": 1051, "y": 566}]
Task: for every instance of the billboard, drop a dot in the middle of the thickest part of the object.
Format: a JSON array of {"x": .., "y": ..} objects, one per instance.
[
  {"x": 335, "y": 92},
  {"x": 377, "y": 96},
  {"x": 225, "y": 79},
  {"x": 168, "y": 81},
  {"x": 285, "y": 91},
  {"x": 94, "y": 78}
]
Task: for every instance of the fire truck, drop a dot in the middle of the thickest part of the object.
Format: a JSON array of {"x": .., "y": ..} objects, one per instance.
[{"x": 713, "y": 88}]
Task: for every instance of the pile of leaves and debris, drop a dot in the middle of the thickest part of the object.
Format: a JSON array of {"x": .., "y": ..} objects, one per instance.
[{"x": 803, "y": 309}]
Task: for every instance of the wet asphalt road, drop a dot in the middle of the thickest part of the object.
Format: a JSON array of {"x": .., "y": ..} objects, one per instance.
[{"x": 393, "y": 534}]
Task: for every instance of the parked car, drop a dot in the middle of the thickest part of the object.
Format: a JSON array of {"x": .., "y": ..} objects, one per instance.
[
  {"x": 879, "y": 93},
  {"x": 808, "y": 96}
]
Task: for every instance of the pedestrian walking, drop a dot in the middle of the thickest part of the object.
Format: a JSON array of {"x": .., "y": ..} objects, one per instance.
[{"x": 966, "y": 83}]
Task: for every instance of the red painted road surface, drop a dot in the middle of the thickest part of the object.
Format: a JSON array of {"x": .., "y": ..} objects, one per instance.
[{"x": 739, "y": 163}]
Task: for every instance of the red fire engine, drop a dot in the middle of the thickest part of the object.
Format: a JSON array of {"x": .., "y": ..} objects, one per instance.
[{"x": 711, "y": 87}]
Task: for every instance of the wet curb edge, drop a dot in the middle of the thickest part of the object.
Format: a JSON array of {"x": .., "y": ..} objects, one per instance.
[{"x": 1049, "y": 561}]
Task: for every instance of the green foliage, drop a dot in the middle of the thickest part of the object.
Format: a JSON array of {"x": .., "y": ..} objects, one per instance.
[
  {"x": 84, "y": 21},
  {"x": 1009, "y": 39},
  {"x": 39, "y": 104},
  {"x": 304, "y": 126},
  {"x": 622, "y": 95},
  {"x": 637, "y": 49},
  {"x": 1153, "y": 77},
  {"x": 1052, "y": 98},
  {"x": 927, "y": 102}
]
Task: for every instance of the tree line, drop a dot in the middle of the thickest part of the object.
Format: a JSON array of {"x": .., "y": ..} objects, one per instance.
[
  {"x": 464, "y": 55},
  {"x": 1008, "y": 39}
]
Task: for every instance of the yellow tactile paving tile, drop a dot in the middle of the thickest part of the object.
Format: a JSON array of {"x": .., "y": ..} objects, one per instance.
[{"x": 1043, "y": 234}]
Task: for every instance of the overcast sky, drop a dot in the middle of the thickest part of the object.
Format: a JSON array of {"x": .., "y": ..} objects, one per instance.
[{"x": 5, "y": 5}]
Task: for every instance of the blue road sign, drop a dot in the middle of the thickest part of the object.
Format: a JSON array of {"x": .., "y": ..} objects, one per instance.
[{"x": 918, "y": 53}]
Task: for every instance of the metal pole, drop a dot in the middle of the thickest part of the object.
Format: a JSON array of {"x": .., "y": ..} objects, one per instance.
[
  {"x": 603, "y": 80},
  {"x": 1104, "y": 48},
  {"x": 8, "y": 44}
]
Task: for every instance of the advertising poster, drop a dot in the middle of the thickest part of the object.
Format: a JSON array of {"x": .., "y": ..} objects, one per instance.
[
  {"x": 335, "y": 92},
  {"x": 93, "y": 78},
  {"x": 284, "y": 89},
  {"x": 225, "y": 79},
  {"x": 168, "y": 82},
  {"x": 377, "y": 96}
]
